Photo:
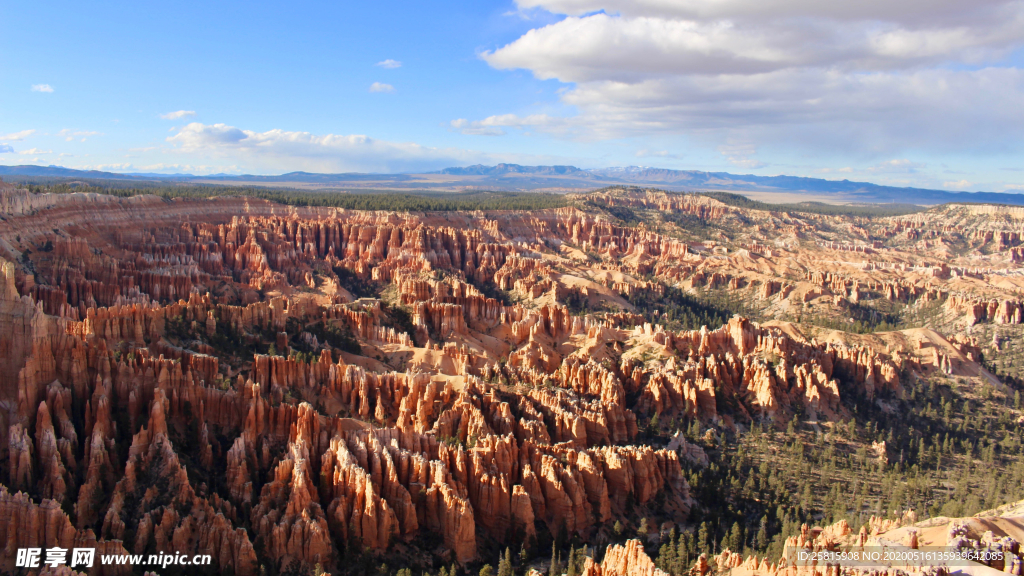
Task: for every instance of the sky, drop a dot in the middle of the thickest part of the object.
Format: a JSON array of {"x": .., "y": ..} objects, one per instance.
[{"x": 926, "y": 93}]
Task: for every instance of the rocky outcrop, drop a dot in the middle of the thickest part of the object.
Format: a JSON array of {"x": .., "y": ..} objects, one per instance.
[
  {"x": 26, "y": 524},
  {"x": 288, "y": 520},
  {"x": 627, "y": 559}
]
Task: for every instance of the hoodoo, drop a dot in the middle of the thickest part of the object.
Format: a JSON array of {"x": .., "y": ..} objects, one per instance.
[{"x": 283, "y": 387}]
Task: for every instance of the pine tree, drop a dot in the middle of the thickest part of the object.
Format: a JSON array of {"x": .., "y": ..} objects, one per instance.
[
  {"x": 661, "y": 560},
  {"x": 736, "y": 538},
  {"x": 572, "y": 562},
  {"x": 505, "y": 565},
  {"x": 762, "y": 534},
  {"x": 553, "y": 567},
  {"x": 487, "y": 570},
  {"x": 702, "y": 538},
  {"x": 683, "y": 553},
  {"x": 641, "y": 530},
  {"x": 667, "y": 554}
]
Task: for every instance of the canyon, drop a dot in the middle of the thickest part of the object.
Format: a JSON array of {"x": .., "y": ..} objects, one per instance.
[{"x": 290, "y": 387}]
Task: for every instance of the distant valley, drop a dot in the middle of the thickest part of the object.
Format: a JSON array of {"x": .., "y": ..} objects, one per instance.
[{"x": 514, "y": 177}]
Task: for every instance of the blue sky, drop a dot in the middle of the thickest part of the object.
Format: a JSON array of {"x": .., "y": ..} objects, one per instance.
[{"x": 922, "y": 92}]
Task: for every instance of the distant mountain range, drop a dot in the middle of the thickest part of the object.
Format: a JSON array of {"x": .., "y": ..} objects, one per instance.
[
  {"x": 551, "y": 178},
  {"x": 504, "y": 169}
]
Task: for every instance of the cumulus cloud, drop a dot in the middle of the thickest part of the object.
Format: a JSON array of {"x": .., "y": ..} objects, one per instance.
[
  {"x": 740, "y": 154},
  {"x": 896, "y": 166},
  {"x": 873, "y": 76},
  {"x": 178, "y": 115},
  {"x": 645, "y": 153},
  {"x": 17, "y": 136},
  {"x": 106, "y": 167},
  {"x": 42, "y": 88},
  {"x": 906, "y": 13},
  {"x": 872, "y": 113},
  {"x": 389, "y": 63},
  {"x": 957, "y": 184},
  {"x": 70, "y": 135},
  {"x": 493, "y": 125},
  {"x": 381, "y": 87},
  {"x": 163, "y": 168},
  {"x": 286, "y": 150},
  {"x": 654, "y": 46},
  {"x": 6, "y": 149},
  {"x": 476, "y": 128}
]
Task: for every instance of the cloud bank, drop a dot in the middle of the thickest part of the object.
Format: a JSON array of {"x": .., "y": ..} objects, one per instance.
[
  {"x": 281, "y": 150},
  {"x": 872, "y": 77}
]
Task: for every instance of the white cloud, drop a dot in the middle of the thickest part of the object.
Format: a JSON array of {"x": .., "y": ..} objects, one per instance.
[
  {"x": 492, "y": 125},
  {"x": 6, "y": 149},
  {"x": 476, "y": 128},
  {"x": 17, "y": 136},
  {"x": 874, "y": 77},
  {"x": 897, "y": 166},
  {"x": 42, "y": 88},
  {"x": 658, "y": 47},
  {"x": 381, "y": 87},
  {"x": 178, "y": 115},
  {"x": 70, "y": 135},
  {"x": 106, "y": 167},
  {"x": 196, "y": 136},
  {"x": 876, "y": 113},
  {"x": 284, "y": 150},
  {"x": 128, "y": 167},
  {"x": 35, "y": 151},
  {"x": 740, "y": 154},
  {"x": 645, "y": 153},
  {"x": 958, "y": 184},
  {"x": 747, "y": 163},
  {"x": 389, "y": 63},
  {"x": 907, "y": 13}
]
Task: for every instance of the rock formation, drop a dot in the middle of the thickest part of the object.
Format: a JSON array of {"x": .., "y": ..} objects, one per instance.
[{"x": 198, "y": 376}]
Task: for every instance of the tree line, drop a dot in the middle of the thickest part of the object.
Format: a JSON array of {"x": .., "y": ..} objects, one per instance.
[{"x": 412, "y": 201}]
